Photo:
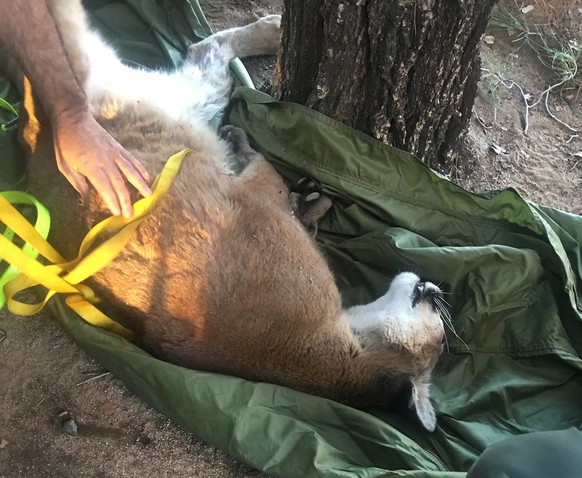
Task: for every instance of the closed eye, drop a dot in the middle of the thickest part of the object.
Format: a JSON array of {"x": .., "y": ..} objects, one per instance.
[
  {"x": 421, "y": 291},
  {"x": 417, "y": 293}
]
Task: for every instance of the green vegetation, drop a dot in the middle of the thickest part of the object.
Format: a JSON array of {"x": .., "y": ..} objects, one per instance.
[
  {"x": 8, "y": 107},
  {"x": 560, "y": 54}
]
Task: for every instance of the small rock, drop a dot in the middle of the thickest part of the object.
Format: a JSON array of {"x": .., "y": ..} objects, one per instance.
[
  {"x": 71, "y": 427},
  {"x": 489, "y": 39},
  {"x": 68, "y": 424},
  {"x": 3, "y": 443}
]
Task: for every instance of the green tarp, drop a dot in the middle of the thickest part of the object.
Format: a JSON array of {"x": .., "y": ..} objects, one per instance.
[{"x": 512, "y": 269}]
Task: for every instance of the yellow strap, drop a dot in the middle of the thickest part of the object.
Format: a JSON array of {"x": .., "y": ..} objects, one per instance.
[
  {"x": 41, "y": 226},
  {"x": 10, "y": 216},
  {"x": 65, "y": 277},
  {"x": 43, "y": 219}
]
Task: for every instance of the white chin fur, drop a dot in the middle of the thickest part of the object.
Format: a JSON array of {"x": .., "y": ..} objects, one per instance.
[{"x": 395, "y": 315}]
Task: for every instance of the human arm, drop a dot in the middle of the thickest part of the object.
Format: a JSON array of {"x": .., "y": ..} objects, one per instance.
[{"x": 83, "y": 149}]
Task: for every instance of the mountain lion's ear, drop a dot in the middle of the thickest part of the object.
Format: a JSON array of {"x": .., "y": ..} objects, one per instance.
[{"x": 420, "y": 401}]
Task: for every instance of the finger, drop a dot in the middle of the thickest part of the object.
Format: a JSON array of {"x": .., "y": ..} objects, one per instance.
[
  {"x": 134, "y": 175},
  {"x": 75, "y": 179},
  {"x": 126, "y": 206},
  {"x": 107, "y": 190},
  {"x": 140, "y": 169},
  {"x": 128, "y": 160},
  {"x": 78, "y": 181},
  {"x": 118, "y": 195},
  {"x": 117, "y": 191},
  {"x": 100, "y": 183}
]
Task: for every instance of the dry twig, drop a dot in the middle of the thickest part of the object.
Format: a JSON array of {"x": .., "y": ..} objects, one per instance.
[
  {"x": 555, "y": 117},
  {"x": 509, "y": 84},
  {"x": 92, "y": 378},
  {"x": 480, "y": 120}
]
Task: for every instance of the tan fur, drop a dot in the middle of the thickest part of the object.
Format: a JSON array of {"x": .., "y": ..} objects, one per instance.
[{"x": 221, "y": 276}]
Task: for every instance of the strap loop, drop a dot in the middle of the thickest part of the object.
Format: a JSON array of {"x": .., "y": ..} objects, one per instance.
[{"x": 14, "y": 221}]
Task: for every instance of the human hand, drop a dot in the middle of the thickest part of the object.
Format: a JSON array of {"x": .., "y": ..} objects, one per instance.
[{"x": 85, "y": 151}]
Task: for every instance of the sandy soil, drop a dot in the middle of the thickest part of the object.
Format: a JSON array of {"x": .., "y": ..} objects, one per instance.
[
  {"x": 44, "y": 374},
  {"x": 544, "y": 164}
]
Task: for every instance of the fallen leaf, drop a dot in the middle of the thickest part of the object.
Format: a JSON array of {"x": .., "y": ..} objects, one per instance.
[{"x": 108, "y": 408}]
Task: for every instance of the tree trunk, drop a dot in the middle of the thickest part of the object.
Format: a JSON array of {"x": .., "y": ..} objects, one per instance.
[{"x": 402, "y": 71}]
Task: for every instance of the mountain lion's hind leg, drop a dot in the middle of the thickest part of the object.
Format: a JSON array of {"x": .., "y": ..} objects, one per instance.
[
  {"x": 209, "y": 59},
  {"x": 239, "y": 144},
  {"x": 258, "y": 177},
  {"x": 308, "y": 203},
  {"x": 258, "y": 38},
  {"x": 305, "y": 199}
]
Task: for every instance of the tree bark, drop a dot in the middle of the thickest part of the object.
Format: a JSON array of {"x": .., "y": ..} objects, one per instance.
[{"x": 402, "y": 71}]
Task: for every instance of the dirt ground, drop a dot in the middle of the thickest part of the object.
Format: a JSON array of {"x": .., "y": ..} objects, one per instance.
[
  {"x": 44, "y": 374},
  {"x": 544, "y": 164}
]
